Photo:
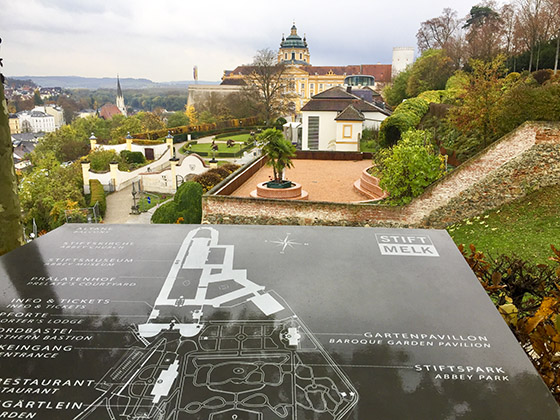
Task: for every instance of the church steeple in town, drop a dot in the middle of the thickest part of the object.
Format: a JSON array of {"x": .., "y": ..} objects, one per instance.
[{"x": 120, "y": 98}]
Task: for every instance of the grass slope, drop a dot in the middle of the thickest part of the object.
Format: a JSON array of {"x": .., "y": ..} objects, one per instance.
[{"x": 525, "y": 227}]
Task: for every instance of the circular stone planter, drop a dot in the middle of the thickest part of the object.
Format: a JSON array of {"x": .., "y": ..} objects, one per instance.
[{"x": 295, "y": 192}]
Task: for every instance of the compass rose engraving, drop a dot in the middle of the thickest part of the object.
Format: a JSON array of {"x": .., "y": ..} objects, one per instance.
[{"x": 286, "y": 243}]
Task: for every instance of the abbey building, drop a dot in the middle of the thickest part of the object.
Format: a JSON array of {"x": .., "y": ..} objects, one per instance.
[{"x": 303, "y": 80}]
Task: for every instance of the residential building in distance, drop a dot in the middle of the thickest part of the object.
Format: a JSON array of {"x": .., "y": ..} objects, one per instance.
[
  {"x": 86, "y": 113},
  {"x": 23, "y": 144},
  {"x": 54, "y": 110},
  {"x": 13, "y": 120},
  {"x": 50, "y": 92},
  {"x": 36, "y": 121}
]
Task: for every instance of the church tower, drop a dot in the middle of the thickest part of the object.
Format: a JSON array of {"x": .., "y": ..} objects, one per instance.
[
  {"x": 293, "y": 49},
  {"x": 120, "y": 98}
]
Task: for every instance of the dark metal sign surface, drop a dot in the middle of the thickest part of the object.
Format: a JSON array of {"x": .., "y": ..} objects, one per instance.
[{"x": 255, "y": 323}]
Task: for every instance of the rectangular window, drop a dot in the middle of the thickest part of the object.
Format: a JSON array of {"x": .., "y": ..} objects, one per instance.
[
  {"x": 320, "y": 87},
  {"x": 347, "y": 131},
  {"x": 311, "y": 86},
  {"x": 313, "y": 133}
]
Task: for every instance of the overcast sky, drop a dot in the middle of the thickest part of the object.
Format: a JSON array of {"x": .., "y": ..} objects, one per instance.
[{"x": 163, "y": 39}]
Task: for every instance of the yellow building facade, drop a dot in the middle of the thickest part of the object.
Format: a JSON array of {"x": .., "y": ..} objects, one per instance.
[
  {"x": 14, "y": 124},
  {"x": 302, "y": 80}
]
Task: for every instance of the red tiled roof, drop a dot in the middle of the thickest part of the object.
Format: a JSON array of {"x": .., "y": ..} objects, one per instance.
[
  {"x": 381, "y": 72},
  {"x": 108, "y": 111}
]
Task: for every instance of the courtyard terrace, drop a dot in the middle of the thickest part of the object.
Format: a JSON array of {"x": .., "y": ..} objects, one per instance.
[{"x": 324, "y": 180}]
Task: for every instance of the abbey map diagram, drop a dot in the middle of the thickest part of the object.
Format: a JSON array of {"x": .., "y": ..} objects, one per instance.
[
  {"x": 189, "y": 365},
  {"x": 231, "y": 322}
]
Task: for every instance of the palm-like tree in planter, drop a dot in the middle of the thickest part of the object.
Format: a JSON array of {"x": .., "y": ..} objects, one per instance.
[{"x": 279, "y": 151}]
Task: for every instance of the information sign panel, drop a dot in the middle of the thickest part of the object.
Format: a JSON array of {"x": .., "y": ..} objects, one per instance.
[{"x": 176, "y": 322}]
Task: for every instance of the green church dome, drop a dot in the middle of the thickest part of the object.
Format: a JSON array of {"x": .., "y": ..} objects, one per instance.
[{"x": 293, "y": 40}]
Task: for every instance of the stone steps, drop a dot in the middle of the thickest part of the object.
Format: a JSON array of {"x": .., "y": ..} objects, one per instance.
[{"x": 369, "y": 186}]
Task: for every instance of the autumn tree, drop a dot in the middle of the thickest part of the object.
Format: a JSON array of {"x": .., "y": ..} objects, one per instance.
[
  {"x": 177, "y": 119},
  {"x": 554, "y": 8},
  {"x": 243, "y": 104},
  {"x": 266, "y": 82},
  {"x": 191, "y": 114},
  {"x": 481, "y": 100},
  {"x": 37, "y": 100},
  {"x": 49, "y": 189},
  {"x": 395, "y": 93},
  {"x": 538, "y": 21},
  {"x": 214, "y": 104},
  {"x": 429, "y": 72},
  {"x": 437, "y": 32},
  {"x": 484, "y": 32},
  {"x": 149, "y": 121}
]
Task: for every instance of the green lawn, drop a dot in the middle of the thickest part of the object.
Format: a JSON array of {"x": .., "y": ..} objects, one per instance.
[
  {"x": 525, "y": 227},
  {"x": 222, "y": 148},
  {"x": 222, "y": 145},
  {"x": 143, "y": 204},
  {"x": 236, "y": 138}
]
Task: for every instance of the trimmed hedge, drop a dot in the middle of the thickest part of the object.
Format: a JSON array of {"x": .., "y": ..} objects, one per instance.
[
  {"x": 228, "y": 154},
  {"x": 406, "y": 116},
  {"x": 146, "y": 142},
  {"x": 232, "y": 133},
  {"x": 213, "y": 177},
  {"x": 97, "y": 195},
  {"x": 207, "y": 180},
  {"x": 196, "y": 130},
  {"x": 132, "y": 157},
  {"x": 186, "y": 207},
  {"x": 166, "y": 213}
]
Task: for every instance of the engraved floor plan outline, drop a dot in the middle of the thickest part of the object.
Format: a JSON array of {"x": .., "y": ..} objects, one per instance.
[{"x": 218, "y": 346}]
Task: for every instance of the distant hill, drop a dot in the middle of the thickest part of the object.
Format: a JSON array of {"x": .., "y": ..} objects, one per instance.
[{"x": 77, "y": 82}]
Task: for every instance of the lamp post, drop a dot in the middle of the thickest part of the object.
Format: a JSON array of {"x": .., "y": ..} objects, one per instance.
[
  {"x": 128, "y": 141},
  {"x": 92, "y": 141},
  {"x": 85, "y": 175},
  {"x": 169, "y": 139}
]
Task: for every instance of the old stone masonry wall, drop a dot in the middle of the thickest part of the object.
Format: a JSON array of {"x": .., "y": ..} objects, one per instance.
[
  {"x": 537, "y": 167},
  {"x": 519, "y": 163}
]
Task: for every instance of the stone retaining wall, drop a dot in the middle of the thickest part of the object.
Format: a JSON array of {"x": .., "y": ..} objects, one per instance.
[
  {"x": 536, "y": 168},
  {"x": 259, "y": 211}
]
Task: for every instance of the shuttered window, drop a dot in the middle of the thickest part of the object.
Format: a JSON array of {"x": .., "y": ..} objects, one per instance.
[{"x": 313, "y": 133}]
